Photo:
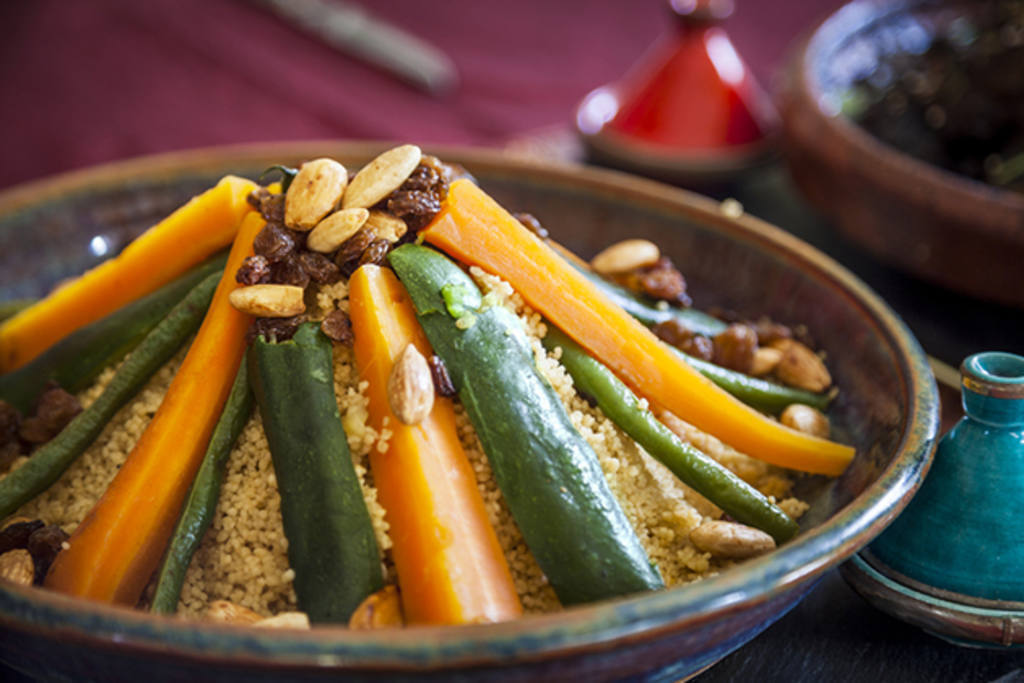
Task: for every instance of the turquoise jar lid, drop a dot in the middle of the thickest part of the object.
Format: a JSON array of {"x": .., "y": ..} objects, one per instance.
[{"x": 993, "y": 388}]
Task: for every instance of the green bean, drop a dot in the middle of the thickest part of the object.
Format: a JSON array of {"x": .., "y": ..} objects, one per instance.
[
  {"x": 695, "y": 469},
  {"x": 650, "y": 312},
  {"x": 197, "y": 513},
  {"x": 49, "y": 462},
  {"x": 756, "y": 392}
]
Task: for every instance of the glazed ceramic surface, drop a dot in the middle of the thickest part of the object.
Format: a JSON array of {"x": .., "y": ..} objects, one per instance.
[
  {"x": 887, "y": 409},
  {"x": 961, "y": 534},
  {"x": 940, "y": 226}
]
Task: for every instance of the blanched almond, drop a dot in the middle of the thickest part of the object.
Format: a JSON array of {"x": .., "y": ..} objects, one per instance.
[
  {"x": 381, "y": 177},
  {"x": 230, "y": 613},
  {"x": 315, "y": 192},
  {"x": 16, "y": 566},
  {"x": 731, "y": 540},
  {"x": 765, "y": 360},
  {"x": 386, "y": 226},
  {"x": 333, "y": 231},
  {"x": 800, "y": 367},
  {"x": 410, "y": 387},
  {"x": 625, "y": 256},
  {"x": 269, "y": 301},
  {"x": 285, "y": 620},
  {"x": 805, "y": 419},
  {"x": 382, "y": 609}
]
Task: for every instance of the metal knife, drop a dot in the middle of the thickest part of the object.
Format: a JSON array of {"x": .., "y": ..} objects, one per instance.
[{"x": 349, "y": 28}]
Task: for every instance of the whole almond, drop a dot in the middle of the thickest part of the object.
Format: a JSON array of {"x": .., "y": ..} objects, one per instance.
[
  {"x": 269, "y": 301},
  {"x": 765, "y": 360},
  {"x": 731, "y": 540},
  {"x": 16, "y": 566},
  {"x": 806, "y": 419},
  {"x": 800, "y": 367},
  {"x": 381, "y": 177},
  {"x": 315, "y": 191},
  {"x": 410, "y": 387},
  {"x": 387, "y": 227},
  {"x": 230, "y": 613},
  {"x": 333, "y": 231},
  {"x": 379, "y": 610},
  {"x": 285, "y": 620},
  {"x": 625, "y": 256}
]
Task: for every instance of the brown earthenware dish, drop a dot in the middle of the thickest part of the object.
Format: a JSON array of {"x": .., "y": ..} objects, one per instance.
[
  {"x": 887, "y": 408},
  {"x": 943, "y": 227}
]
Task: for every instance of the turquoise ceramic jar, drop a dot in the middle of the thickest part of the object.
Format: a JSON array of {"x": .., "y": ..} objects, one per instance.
[{"x": 963, "y": 532}]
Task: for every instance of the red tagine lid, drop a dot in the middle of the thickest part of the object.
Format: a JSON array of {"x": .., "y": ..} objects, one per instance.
[{"x": 689, "y": 109}]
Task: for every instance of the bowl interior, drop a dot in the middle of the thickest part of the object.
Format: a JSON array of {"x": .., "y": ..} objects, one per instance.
[{"x": 887, "y": 406}]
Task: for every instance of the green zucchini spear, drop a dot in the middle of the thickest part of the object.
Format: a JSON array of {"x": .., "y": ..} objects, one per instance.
[
  {"x": 331, "y": 545},
  {"x": 547, "y": 473}
]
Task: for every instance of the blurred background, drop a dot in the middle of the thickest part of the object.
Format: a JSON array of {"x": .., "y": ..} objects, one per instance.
[{"x": 88, "y": 82}]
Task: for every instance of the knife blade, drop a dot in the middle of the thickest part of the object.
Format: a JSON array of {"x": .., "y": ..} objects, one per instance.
[{"x": 349, "y": 28}]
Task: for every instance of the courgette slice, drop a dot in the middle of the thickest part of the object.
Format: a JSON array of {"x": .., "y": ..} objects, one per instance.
[
  {"x": 331, "y": 545},
  {"x": 547, "y": 473},
  {"x": 75, "y": 361}
]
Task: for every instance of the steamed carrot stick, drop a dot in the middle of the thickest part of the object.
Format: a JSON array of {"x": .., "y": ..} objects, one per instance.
[
  {"x": 473, "y": 228},
  {"x": 174, "y": 245},
  {"x": 450, "y": 565},
  {"x": 117, "y": 546}
]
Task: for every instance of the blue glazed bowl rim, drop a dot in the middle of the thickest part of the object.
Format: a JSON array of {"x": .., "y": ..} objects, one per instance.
[{"x": 595, "y": 628}]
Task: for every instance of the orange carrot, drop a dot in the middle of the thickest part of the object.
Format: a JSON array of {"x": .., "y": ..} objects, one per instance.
[
  {"x": 473, "y": 228},
  {"x": 165, "y": 251},
  {"x": 117, "y": 546},
  {"x": 451, "y": 569}
]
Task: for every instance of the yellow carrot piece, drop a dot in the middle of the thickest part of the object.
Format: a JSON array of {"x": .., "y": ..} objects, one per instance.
[
  {"x": 473, "y": 228},
  {"x": 450, "y": 566},
  {"x": 115, "y": 549},
  {"x": 188, "y": 236}
]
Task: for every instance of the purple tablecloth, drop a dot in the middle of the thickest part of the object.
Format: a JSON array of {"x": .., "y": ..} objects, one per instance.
[{"x": 87, "y": 82}]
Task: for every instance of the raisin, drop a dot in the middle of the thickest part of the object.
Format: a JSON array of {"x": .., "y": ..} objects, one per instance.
[
  {"x": 735, "y": 347},
  {"x": 532, "y": 224},
  {"x": 54, "y": 410},
  {"x": 320, "y": 268},
  {"x": 663, "y": 281},
  {"x": 274, "y": 243},
  {"x": 16, "y": 535},
  {"x": 417, "y": 207},
  {"x": 442, "y": 380},
  {"x": 275, "y": 329},
  {"x": 672, "y": 332},
  {"x": 272, "y": 208},
  {"x": 253, "y": 271},
  {"x": 338, "y": 327},
  {"x": 43, "y": 545},
  {"x": 349, "y": 252},
  {"x": 768, "y": 331},
  {"x": 375, "y": 253},
  {"x": 698, "y": 346},
  {"x": 678, "y": 335},
  {"x": 289, "y": 271},
  {"x": 10, "y": 423},
  {"x": 424, "y": 177}
]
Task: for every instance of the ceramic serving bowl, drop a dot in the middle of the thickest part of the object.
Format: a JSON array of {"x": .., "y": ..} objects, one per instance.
[
  {"x": 887, "y": 408},
  {"x": 940, "y": 226}
]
